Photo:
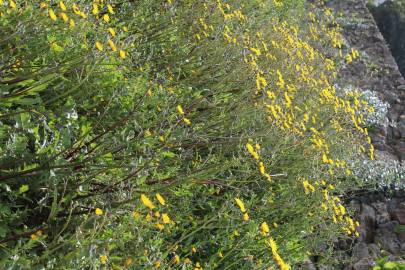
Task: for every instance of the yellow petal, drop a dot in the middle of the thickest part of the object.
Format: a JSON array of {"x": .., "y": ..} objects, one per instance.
[
  {"x": 147, "y": 202},
  {"x": 160, "y": 199},
  {"x": 52, "y": 15}
]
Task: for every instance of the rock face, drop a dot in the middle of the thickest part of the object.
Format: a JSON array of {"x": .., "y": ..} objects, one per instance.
[
  {"x": 382, "y": 231},
  {"x": 376, "y": 71}
]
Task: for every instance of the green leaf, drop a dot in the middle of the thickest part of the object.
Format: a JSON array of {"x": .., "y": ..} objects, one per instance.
[
  {"x": 23, "y": 189},
  {"x": 390, "y": 265},
  {"x": 168, "y": 154}
]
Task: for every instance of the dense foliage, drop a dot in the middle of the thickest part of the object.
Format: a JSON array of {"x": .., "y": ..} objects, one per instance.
[{"x": 174, "y": 134}]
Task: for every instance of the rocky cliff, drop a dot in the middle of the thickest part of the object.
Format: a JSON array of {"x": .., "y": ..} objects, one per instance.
[{"x": 382, "y": 216}]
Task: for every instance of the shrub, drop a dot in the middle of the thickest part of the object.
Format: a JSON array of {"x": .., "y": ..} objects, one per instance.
[{"x": 173, "y": 134}]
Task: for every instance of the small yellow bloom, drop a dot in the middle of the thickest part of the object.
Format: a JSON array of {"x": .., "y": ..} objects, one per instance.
[
  {"x": 252, "y": 151},
  {"x": 62, "y": 6},
  {"x": 110, "y": 9},
  {"x": 241, "y": 205},
  {"x": 64, "y": 17},
  {"x": 99, "y": 46},
  {"x": 128, "y": 262},
  {"x": 245, "y": 217},
  {"x": 12, "y": 4},
  {"x": 103, "y": 259},
  {"x": 135, "y": 214},
  {"x": 187, "y": 121},
  {"x": 34, "y": 237},
  {"x": 166, "y": 219},
  {"x": 148, "y": 217},
  {"x": 264, "y": 228},
  {"x": 122, "y": 54},
  {"x": 159, "y": 226},
  {"x": 157, "y": 264},
  {"x": 52, "y": 15},
  {"x": 106, "y": 18},
  {"x": 98, "y": 212},
  {"x": 193, "y": 250},
  {"x": 43, "y": 5},
  {"x": 160, "y": 199},
  {"x": 176, "y": 259},
  {"x": 147, "y": 202},
  {"x": 180, "y": 109},
  {"x": 112, "y": 45},
  {"x": 71, "y": 23},
  {"x": 95, "y": 9},
  {"x": 111, "y": 31}
]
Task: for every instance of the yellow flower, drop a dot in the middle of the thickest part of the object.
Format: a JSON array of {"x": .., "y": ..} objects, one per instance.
[
  {"x": 282, "y": 265},
  {"x": 110, "y": 9},
  {"x": 160, "y": 199},
  {"x": 112, "y": 45},
  {"x": 166, "y": 219},
  {"x": 264, "y": 228},
  {"x": 245, "y": 217},
  {"x": 128, "y": 262},
  {"x": 98, "y": 212},
  {"x": 52, "y": 15},
  {"x": 34, "y": 237},
  {"x": 176, "y": 259},
  {"x": 111, "y": 31},
  {"x": 187, "y": 121},
  {"x": 103, "y": 259},
  {"x": 159, "y": 226},
  {"x": 62, "y": 6},
  {"x": 12, "y": 4},
  {"x": 193, "y": 250},
  {"x": 157, "y": 264},
  {"x": 71, "y": 23},
  {"x": 135, "y": 214},
  {"x": 148, "y": 217},
  {"x": 180, "y": 109},
  {"x": 252, "y": 151},
  {"x": 106, "y": 18},
  {"x": 147, "y": 202},
  {"x": 99, "y": 46},
  {"x": 122, "y": 54},
  {"x": 64, "y": 17},
  {"x": 95, "y": 9},
  {"x": 256, "y": 51},
  {"x": 241, "y": 205}
]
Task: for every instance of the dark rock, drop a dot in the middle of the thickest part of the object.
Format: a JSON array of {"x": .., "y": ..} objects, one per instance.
[
  {"x": 388, "y": 241},
  {"x": 403, "y": 248},
  {"x": 360, "y": 251},
  {"x": 382, "y": 215},
  {"x": 368, "y": 220},
  {"x": 399, "y": 215},
  {"x": 364, "y": 264},
  {"x": 374, "y": 250},
  {"x": 308, "y": 265}
]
